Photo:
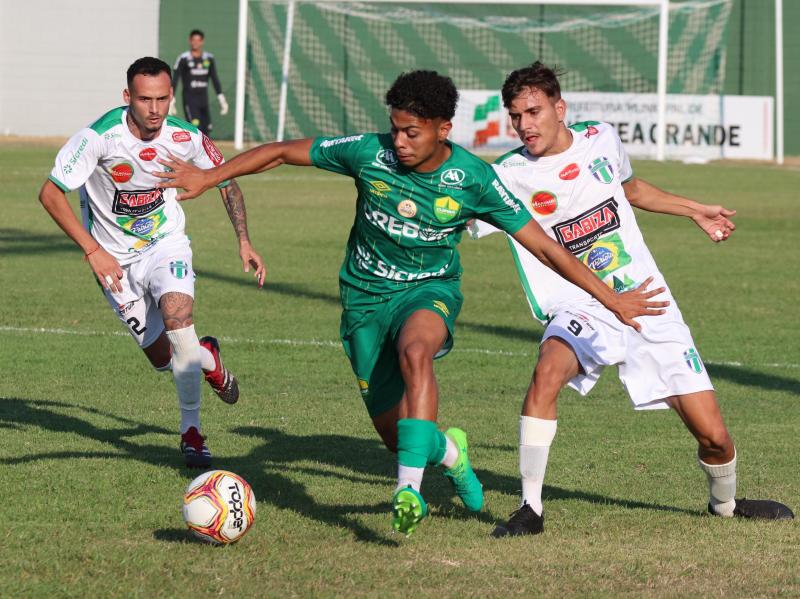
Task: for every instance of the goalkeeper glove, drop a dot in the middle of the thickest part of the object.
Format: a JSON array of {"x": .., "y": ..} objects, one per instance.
[
  {"x": 223, "y": 104},
  {"x": 173, "y": 109}
]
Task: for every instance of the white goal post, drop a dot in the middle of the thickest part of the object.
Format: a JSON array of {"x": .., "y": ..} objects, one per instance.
[{"x": 287, "y": 48}]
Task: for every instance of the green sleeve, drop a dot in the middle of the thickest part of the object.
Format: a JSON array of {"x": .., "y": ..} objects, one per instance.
[
  {"x": 500, "y": 207},
  {"x": 338, "y": 154}
]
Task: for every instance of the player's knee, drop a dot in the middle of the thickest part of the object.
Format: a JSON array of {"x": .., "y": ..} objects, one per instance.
[
  {"x": 548, "y": 375},
  {"x": 414, "y": 357},
  {"x": 716, "y": 442}
]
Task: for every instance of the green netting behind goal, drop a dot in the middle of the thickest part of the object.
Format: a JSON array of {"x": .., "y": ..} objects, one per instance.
[{"x": 345, "y": 54}]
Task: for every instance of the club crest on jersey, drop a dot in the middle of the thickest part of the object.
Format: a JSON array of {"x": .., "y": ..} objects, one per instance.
[
  {"x": 544, "y": 202},
  {"x": 601, "y": 170},
  {"x": 579, "y": 233},
  {"x": 147, "y": 154},
  {"x": 407, "y": 208},
  {"x": 569, "y": 172},
  {"x": 181, "y": 136},
  {"x": 179, "y": 269},
  {"x": 693, "y": 360},
  {"x": 445, "y": 209},
  {"x": 137, "y": 202},
  {"x": 122, "y": 172},
  {"x": 452, "y": 176}
]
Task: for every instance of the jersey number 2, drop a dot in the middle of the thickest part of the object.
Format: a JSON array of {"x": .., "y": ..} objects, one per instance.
[{"x": 137, "y": 327}]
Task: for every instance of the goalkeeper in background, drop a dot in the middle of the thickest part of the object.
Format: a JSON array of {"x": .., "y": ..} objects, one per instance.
[
  {"x": 400, "y": 281},
  {"x": 193, "y": 69}
]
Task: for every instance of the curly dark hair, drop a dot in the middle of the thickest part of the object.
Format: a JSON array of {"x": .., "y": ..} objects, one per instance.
[
  {"x": 538, "y": 76},
  {"x": 426, "y": 94},
  {"x": 147, "y": 66}
]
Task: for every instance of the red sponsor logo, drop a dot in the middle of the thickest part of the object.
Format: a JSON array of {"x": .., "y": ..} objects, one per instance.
[
  {"x": 213, "y": 153},
  {"x": 121, "y": 172},
  {"x": 591, "y": 130},
  {"x": 137, "y": 202},
  {"x": 181, "y": 136},
  {"x": 147, "y": 154},
  {"x": 544, "y": 203},
  {"x": 570, "y": 172},
  {"x": 581, "y": 232}
]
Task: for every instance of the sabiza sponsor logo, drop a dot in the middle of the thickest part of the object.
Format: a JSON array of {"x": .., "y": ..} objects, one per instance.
[
  {"x": 181, "y": 136},
  {"x": 137, "y": 203},
  {"x": 580, "y": 232}
]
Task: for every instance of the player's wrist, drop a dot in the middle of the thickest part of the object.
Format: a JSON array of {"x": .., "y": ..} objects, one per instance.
[{"x": 91, "y": 250}]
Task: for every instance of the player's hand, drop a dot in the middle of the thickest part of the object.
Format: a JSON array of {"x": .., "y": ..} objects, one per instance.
[
  {"x": 250, "y": 257},
  {"x": 106, "y": 269},
  {"x": 223, "y": 104},
  {"x": 715, "y": 221},
  {"x": 173, "y": 108},
  {"x": 637, "y": 302},
  {"x": 180, "y": 173}
]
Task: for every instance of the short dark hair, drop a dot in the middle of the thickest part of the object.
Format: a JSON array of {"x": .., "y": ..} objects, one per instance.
[
  {"x": 426, "y": 94},
  {"x": 147, "y": 66},
  {"x": 197, "y": 32},
  {"x": 538, "y": 76}
]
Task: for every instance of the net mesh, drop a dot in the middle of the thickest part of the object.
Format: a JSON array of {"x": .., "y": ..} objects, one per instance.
[{"x": 346, "y": 54}]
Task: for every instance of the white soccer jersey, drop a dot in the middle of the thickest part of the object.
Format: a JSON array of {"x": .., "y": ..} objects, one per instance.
[
  {"x": 121, "y": 206},
  {"x": 578, "y": 199}
]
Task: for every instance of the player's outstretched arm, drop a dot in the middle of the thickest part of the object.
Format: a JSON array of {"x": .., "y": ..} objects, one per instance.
[
  {"x": 233, "y": 198},
  {"x": 713, "y": 219},
  {"x": 105, "y": 266},
  {"x": 625, "y": 306},
  {"x": 195, "y": 180}
]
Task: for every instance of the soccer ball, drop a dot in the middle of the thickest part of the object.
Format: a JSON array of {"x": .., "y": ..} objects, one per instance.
[{"x": 219, "y": 507}]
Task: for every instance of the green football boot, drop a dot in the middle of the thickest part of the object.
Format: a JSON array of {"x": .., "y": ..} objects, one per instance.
[
  {"x": 466, "y": 484},
  {"x": 408, "y": 510}
]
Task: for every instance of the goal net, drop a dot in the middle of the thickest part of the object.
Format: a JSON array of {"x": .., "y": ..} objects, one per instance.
[{"x": 343, "y": 56}]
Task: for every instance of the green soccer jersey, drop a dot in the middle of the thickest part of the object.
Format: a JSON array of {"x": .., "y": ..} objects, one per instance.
[{"x": 407, "y": 224}]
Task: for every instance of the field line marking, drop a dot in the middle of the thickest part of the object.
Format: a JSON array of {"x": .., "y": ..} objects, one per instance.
[{"x": 326, "y": 343}]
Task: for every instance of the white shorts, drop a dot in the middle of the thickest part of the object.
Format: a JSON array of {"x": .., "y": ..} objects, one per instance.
[
  {"x": 166, "y": 268},
  {"x": 653, "y": 365}
]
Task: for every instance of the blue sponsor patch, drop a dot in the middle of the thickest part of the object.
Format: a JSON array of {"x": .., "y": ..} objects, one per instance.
[
  {"x": 599, "y": 258},
  {"x": 142, "y": 226}
]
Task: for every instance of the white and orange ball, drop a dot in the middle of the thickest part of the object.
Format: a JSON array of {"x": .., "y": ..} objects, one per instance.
[{"x": 219, "y": 507}]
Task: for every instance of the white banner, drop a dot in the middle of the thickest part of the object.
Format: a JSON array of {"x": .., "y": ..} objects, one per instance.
[{"x": 698, "y": 127}]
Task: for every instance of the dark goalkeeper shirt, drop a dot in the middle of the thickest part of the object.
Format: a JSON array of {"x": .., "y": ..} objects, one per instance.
[{"x": 194, "y": 73}]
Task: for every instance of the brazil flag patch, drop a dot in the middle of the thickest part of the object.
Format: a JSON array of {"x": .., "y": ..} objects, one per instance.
[{"x": 606, "y": 255}]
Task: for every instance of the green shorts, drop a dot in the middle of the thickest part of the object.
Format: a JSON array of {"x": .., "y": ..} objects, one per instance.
[{"x": 369, "y": 335}]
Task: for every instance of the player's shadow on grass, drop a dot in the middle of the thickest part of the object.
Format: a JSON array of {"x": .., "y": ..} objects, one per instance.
[{"x": 21, "y": 242}]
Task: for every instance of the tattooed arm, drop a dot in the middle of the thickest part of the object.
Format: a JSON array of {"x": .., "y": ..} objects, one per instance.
[{"x": 233, "y": 199}]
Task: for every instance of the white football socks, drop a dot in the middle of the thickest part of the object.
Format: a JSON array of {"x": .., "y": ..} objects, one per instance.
[
  {"x": 186, "y": 372},
  {"x": 207, "y": 361},
  {"x": 450, "y": 453},
  {"x": 408, "y": 476},
  {"x": 535, "y": 438},
  {"x": 721, "y": 485}
]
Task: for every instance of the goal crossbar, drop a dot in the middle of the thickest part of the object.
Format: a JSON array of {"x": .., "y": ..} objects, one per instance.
[{"x": 663, "y": 36}]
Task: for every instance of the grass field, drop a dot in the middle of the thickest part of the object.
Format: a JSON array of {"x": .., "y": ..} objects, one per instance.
[{"x": 92, "y": 479}]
